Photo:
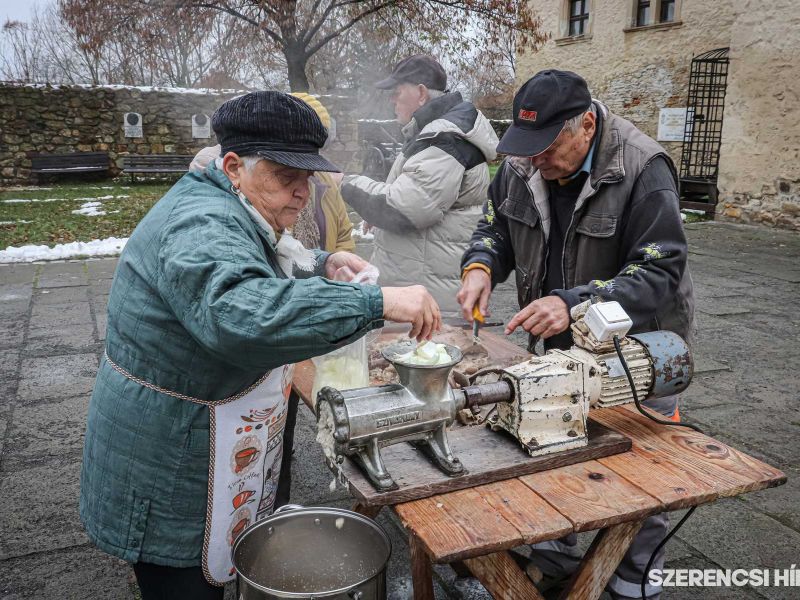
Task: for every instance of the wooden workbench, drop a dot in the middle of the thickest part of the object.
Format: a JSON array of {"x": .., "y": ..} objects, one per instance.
[{"x": 667, "y": 468}]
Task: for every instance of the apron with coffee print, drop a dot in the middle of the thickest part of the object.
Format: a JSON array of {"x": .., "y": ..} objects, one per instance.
[
  {"x": 245, "y": 462},
  {"x": 247, "y": 436}
]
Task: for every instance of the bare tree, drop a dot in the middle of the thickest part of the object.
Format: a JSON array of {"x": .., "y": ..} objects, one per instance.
[
  {"x": 328, "y": 43},
  {"x": 299, "y": 29},
  {"x": 166, "y": 44},
  {"x": 46, "y": 50},
  {"x": 360, "y": 57},
  {"x": 19, "y": 59}
]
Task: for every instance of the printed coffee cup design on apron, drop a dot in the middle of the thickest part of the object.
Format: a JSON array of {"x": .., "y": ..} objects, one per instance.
[
  {"x": 241, "y": 520},
  {"x": 245, "y": 457},
  {"x": 242, "y": 498},
  {"x": 244, "y": 467}
]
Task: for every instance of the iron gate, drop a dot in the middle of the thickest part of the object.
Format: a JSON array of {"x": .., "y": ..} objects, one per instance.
[{"x": 702, "y": 134}]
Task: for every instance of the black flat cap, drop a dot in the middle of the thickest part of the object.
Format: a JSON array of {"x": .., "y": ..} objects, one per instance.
[
  {"x": 542, "y": 106},
  {"x": 274, "y": 125},
  {"x": 419, "y": 68}
]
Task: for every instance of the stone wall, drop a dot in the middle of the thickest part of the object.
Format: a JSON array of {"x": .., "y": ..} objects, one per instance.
[
  {"x": 760, "y": 155},
  {"x": 639, "y": 70},
  {"x": 61, "y": 119},
  {"x": 636, "y": 71}
]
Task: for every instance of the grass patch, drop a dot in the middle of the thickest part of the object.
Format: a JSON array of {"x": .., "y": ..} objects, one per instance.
[
  {"x": 696, "y": 217},
  {"x": 493, "y": 169},
  {"x": 48, "y": 218}
]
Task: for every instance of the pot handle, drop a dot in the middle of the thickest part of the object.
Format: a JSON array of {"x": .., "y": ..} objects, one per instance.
[
  {"x": 356, "y": 594},
  {"x": 286, "y": 507}
]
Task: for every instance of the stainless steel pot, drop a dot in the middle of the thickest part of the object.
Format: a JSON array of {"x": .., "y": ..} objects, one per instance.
[{"x": 313, "y": 553}]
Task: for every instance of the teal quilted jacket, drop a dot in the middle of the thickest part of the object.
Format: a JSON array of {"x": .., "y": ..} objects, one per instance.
[{"x": 198, "y": 306}]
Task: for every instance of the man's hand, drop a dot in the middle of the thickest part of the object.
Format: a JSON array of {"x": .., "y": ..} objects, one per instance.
[
  {"x": 475, "y": 288},
  {"x": 412, "y": 304},
  {"x": 344, "y": 261},
  {"x": 544, "y": 317}
]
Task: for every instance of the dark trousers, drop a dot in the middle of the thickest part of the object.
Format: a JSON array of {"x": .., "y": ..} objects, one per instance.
[
  {"x": 285, "y": 478},
  {"x": 168, "y": 583}
]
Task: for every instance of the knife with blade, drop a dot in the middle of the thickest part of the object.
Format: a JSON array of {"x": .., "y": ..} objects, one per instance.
[{"x": 477, "y": 319}]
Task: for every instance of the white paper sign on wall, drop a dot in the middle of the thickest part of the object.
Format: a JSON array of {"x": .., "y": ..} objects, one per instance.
[
  {"x": 671, "y": 123},
  {"x": 133, "y": 125},
  {"x": 201, "y": 126}
]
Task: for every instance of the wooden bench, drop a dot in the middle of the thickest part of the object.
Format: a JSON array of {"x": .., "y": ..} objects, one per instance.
[
  {"x": 156, "y": 163},
  {"x": 697, "y": 193},
  {"x": 65, "y": 164}
]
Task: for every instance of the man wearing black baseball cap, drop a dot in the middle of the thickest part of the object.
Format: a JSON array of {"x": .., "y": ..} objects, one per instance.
[
  {"x": 425, "y": 211},
  {"x": 585, "y": 205}
]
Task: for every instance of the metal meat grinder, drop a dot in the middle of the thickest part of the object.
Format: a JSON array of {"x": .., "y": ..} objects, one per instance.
[{"x": 543, "y": 402}]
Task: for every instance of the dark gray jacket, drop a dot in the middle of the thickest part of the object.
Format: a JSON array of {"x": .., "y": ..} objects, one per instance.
[{"x": 625, "y": 241}]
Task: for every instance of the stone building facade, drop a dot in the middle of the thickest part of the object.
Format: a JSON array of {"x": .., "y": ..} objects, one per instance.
[
  {"x": 636, "y": 57},
  {"x": 63, "y": 119}
]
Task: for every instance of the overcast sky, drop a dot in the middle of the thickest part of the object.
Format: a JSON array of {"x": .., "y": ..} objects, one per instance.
[{"x": 19, "y": 10}]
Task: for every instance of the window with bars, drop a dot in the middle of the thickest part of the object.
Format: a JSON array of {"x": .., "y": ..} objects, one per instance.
[
  {"x": 578, "y": 17},
  {"x": 643, "y": 13}
]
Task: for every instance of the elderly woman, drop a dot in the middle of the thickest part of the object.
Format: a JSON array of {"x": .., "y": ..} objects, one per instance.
[
  {"x": 324, "y": 222},
  {"x": 183, "y": 443}
]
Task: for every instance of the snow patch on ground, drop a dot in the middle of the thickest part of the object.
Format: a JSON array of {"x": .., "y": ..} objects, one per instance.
[
  {"x": 92, "y": 199},
  {"x": 108, "y": 247},
  {"x": 90, "y": 209},
  {"x": 26, "y": 188},
  {"x": 21, "y": 200},
  {"x": 141, "y": 88}
]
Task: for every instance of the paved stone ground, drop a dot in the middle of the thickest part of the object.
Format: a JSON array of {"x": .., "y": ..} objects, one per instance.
[{"x": 52, "y": 326}]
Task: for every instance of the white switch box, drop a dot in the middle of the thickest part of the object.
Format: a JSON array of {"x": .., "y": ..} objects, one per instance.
[{"x": 607, "y": 319}]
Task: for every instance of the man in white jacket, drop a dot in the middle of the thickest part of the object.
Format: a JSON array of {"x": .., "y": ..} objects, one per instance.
[{"x": 432, "y": 198}]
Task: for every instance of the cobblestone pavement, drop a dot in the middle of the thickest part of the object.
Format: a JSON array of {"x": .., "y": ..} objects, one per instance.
[{"x": 745, "y": 392}]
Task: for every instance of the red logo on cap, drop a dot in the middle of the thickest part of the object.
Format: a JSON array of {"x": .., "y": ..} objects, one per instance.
[{"x": 527, "y": 115}]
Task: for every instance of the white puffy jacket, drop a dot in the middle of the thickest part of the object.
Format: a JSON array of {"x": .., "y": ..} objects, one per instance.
[{"x": 431, "y": 201}]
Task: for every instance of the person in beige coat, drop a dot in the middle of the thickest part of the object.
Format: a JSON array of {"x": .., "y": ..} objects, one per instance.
[{"x": 423, "y": 213}]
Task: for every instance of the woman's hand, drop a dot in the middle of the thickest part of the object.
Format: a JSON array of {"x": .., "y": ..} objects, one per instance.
[
  {"x": 344, "y": 261},
  {"x": 412, "y": 304}
]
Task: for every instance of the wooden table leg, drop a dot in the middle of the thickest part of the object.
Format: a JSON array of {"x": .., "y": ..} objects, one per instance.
[
  {"x": 600, "y": 561},
  {"x": 421, "y": 570},
  {"x": 367, "y": 511},
  {"x": 460, "y": 569},
  {"x": 502, "y": 577}
]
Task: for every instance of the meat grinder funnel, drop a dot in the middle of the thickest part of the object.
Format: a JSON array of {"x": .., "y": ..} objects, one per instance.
[{"x": 426, "y": 382}]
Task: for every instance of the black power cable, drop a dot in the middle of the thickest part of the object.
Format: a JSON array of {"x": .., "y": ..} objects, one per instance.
[{"x": 661, "y": 422}]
